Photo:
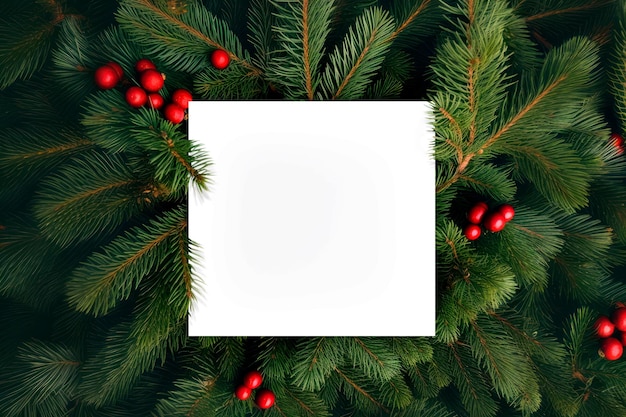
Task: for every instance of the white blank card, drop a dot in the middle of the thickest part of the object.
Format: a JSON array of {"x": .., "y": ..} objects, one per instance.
[{"x": 320, "y": 220}]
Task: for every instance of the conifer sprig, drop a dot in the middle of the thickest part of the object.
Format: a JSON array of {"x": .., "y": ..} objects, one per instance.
[
  {"x": 352, "y": 64},
  {"x": 88, "y": 198},
  {"x": 301, "y": 30},
  {"x": 182, "y": 41},
  {"x": 50, "y": 381},
  {"x": 110, "y": 276}
]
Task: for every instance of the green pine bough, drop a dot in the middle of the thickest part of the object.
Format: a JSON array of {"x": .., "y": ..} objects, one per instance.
[{"x": 96, "y": 266}]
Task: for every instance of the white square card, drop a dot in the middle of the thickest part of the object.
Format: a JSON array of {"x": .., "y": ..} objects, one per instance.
[{"x": 320, "y": 220}]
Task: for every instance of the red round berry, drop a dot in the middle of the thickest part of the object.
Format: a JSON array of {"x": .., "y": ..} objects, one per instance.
[
  {"x": 151, "y": 80},
  {"x": 136, "y": 96},
  {"x": 266, "y": 398},
  {"x": 495, "y": 222},
  {"x": 144, "y": 64},
  {"x": 106, "y": 77},
  {"x": 242, "y": 392},
  {"x": 118, "y": 69},
  {"x": 611, "y": 349},
  {"x": 220, "y": 59},
  {"x": 604, "y": 327},
  {"x": 618, "y": 142},
  {"x": 507, "y": 211},
  {"x": 472, "y": 231},
  {"x": 155, "y": 100},
  {"x": 174, "y": 113},
  {"x": 253, "y": 379},
  {"x": 619, "y": 319},
  {"x": 181, "y": 97},
  {"x": 476, "y": 213},
  {"x": 616, "y": 139}
]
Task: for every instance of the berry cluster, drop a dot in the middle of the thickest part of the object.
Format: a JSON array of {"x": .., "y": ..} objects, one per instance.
[
  {"x": 150, "y": 81},
  {"x": 612, "y": 344},
  {"x": 252, "y": 380},
  {"x": 493, "y": 221},
  {"x": 618, "y": 142}
]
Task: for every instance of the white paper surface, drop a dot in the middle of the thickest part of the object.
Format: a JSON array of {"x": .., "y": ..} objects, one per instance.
[{"x": 319, "y": 222}]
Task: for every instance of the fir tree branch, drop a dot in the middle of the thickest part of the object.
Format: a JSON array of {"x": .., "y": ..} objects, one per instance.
[
  {"x": 523, "y": 112},
  {"x": 177, "y": 22},
  {"x": 107, "y": 277},
  {"x": 361, "y": 390},
  {"x": 305, "y": 49},
  {"x": 53, "y": 150},
  {"x": 356, "y": 65},
  {"x": 461, "y": 368},
  {"x": 182, "y": 247},
  {"x": 61, "y": 205},
  {"x": 403, "y": 25},
  {"x": 493, "y": 363},
  {"x": 573, "y": 9},
  {"x": 301, "y": 29},
  {"x": 360, "y": 55},
  {"x": 467, "y": 158},
  {"x": 197, "y": 176}
]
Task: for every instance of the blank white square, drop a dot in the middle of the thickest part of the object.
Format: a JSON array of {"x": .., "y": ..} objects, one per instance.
[{"x": 320, "y": 220}]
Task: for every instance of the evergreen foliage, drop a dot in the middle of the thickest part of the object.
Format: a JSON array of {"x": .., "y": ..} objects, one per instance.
[{"x": 96, "y": 265}]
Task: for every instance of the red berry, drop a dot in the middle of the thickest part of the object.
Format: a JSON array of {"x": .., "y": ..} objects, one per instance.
[
  {"x": 604, "y": 327},
  {"x": 618, "y": 142},
  {"x": 220, "y": 59},
  {"x": 106, "y": 77},
  {"x": 495, "y": 222},
  {"x": 472, "y": 231},
  {"x": 242, "y": 392},
  {"x": 151, "y": 80},
  {"x": 476, "y": 213},
  {"x": 253, "y": 379},
  {"x": 611, "y": 349},
  {"x": 155, "y": 100},
  {"x": 622, "y": 338},
  {"x": 619, "y": 319},
  {"x": 144, "y": 64},
  {"x": 136, "y": 96},
  {"x": 266, "y": 398},
  {"x": 118, "y": 69},
  {"x": 617, "y": 139},
  {"x": 507, "y": 211},
  {"x": 181, "y": 97},
  {"x": 174, "y": 113}
]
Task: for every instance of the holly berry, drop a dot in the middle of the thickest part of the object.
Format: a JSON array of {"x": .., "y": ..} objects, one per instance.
[
  {"x": 622, "y": 338},
  {"x": 611, "y": 349},
  {"x": 253, "y": 379},
  {"x": 155, "y": 100},
  {"x": 495, "y": 222},
  {"x": 619, "y": 319},
  {"x": 472, "y": 231},
  {"x": 507, "y": 211},
  {"x": 618, "y": 141},
  {"x": 181, "y": 97},
  {"x": 604, "y": 327},
  {"x": 476, "y": 213},
  {"x": 174, "y": 113},
  {"x": 220, "y": 59},
  {"x": 242, "y": 392},
  {"x": 266, "y": 398},
  {"x": 118, "y": 69},
  {"x": 136, "y": 96},
  {"x": 151, "y": 80},
  {"x": 106, "y": 77},
  {"x": 144, "y": 64}
]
